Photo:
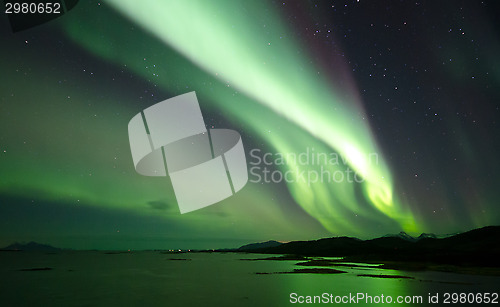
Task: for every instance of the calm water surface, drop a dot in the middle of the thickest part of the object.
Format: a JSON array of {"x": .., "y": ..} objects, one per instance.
[{"x": 154, "y": 279}]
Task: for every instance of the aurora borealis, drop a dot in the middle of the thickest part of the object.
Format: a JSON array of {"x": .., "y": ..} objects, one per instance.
[{"x": 416, "y": 84}]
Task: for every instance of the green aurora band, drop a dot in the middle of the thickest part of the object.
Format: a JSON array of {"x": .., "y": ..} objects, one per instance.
[{"x": 268, "y": 66}]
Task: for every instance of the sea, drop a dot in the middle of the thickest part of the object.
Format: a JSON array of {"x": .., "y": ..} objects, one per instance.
[{"x": 154, "y": 278}]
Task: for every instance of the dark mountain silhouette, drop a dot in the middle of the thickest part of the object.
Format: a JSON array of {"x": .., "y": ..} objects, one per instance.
[
  {"x": 478, "y": 247},
  {"x": 403, "y": 235},
  {"x": 31, "y": 246},
  {"x": 266, "y": 244},
  {"x": 427, "y": 235}
]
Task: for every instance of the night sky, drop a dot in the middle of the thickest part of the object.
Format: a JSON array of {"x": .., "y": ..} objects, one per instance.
[{"x": 416, "y": 83}]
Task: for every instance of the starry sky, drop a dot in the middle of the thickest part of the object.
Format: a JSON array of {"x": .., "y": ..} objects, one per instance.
[{"x": 415, "y": 83}]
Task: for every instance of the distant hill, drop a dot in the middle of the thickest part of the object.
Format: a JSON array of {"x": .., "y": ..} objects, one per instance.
[
  {"x": 403, "y": 235},
  {"x": 266, "y": 244},
  {"x": 475, "y": 247},
  {"x": 427, "y": 235},
  {"x": 31, "y": 246}
]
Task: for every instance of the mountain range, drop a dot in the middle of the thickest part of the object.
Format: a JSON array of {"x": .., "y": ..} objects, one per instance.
[
  {"x": 31, "y": 246},
  {"x": 477, "y": 247}
]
